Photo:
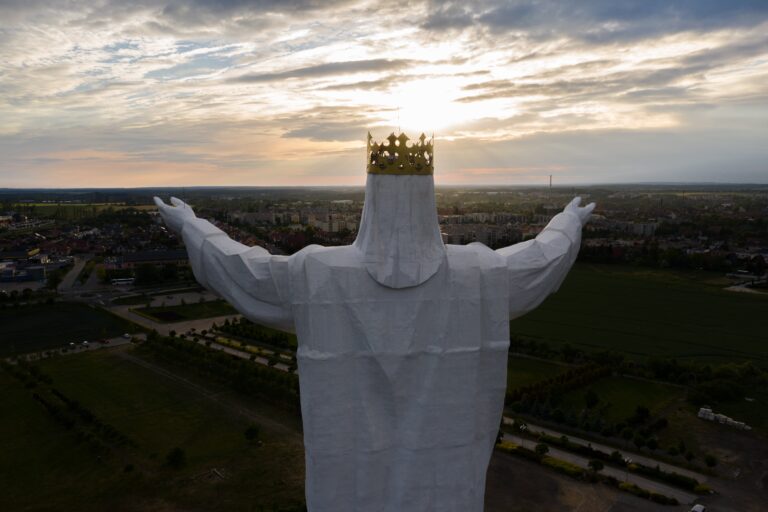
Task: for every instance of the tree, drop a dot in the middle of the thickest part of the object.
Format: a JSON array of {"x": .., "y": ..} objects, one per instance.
[
  {"x": 252, "y": 432},
  {"x": 596, "y": 465},
  {"x": 591, "y": 399},
  {"x": 642, "y": 413},
  {"x": 176, "y": 458},
  {"x": 542, "y": 449},
  {"x": 147, "y": 274}
]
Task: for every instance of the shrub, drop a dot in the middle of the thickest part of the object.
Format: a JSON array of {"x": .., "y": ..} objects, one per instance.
[
  {"x": 176, "y": 458},
  {"x": 563, "y": 467},
  {"x": 252, "y": 432}
]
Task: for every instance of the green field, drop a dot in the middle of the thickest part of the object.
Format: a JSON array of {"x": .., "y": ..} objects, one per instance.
[
  {"x": 45, "y": 326},
  {"x": 645, "y": 313},
  {"x": 71, "y": 211},
  {"x": 43, "y": 467},
  {"x": 620, "y": 396},
  {"x": 523, "y": 371},
  {"x": 193, "y": 311}
]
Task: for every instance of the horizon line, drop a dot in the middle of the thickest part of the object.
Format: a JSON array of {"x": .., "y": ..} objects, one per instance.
[{"x": 362, "y": 186}]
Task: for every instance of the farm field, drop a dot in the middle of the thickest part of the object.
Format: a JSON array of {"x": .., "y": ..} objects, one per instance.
[
  {"x": 650, "y": 313},
  {"x": 191, "y": 311},
  {"x": 50, "y": 470},
  {"x": 40, "y": 327},
  {"x": 523, "y": 371}
]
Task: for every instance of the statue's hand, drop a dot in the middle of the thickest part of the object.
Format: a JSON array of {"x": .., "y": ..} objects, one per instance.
[
  {"x": 583, "y": 213},
  {"x": 175, "y": 216}
]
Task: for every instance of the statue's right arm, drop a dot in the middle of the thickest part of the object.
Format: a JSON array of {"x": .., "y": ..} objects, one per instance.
[
  {"x": 537, "y": 267},
  {"x": 250, "y": 278}
]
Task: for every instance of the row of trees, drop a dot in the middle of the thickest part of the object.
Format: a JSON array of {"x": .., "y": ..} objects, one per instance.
[
  {"x": 244, "y": 328},
  {"x": 274, "y": 386},
  {"x": 539, "y": 454},
  {"x": 69, "y": 413}
]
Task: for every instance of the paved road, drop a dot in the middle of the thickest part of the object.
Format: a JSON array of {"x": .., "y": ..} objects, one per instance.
[
  {"x": 164, "y": 329},
  {"x": 68, "y": 282},
  {"x": 621, "y": 475},
  {"x": 67, "y": 349},
  {"x": 636, "y": 457}
]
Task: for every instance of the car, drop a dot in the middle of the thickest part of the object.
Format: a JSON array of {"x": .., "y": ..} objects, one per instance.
[
  {"x": 84, "y": 343},
  {"x": 71, "y": 343},
  {"x": 698, "y": 508},
  {"x": 127, "y": 336}
]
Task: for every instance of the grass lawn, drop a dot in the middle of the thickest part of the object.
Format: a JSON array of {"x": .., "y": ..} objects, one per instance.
[
  {"x": 50, "y": 471},
  {"x": 620, "y": 396},
  {"x": 522, "y": 371},
  {"x": 169, "y": 314},
  {"x": 44, "y": 326},
  {"x": 645, "y": 313}
]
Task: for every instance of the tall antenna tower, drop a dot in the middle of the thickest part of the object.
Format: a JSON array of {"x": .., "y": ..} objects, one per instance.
[{"x": 550, "y": 187}]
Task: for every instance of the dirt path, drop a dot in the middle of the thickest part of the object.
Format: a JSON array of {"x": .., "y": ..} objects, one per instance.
[{"x": 214, "y": 396}]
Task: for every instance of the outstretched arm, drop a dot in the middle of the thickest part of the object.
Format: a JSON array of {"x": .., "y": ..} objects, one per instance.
[
  {"x": 537, "y": 267},
  {"x": 249, "y": 278}
]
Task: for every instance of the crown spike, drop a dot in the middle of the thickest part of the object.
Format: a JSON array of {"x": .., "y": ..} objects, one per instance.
[{"x": 397, "y": 157}]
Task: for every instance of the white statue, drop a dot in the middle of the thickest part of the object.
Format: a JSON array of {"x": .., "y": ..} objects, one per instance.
[{"x": 403, "y": 340}]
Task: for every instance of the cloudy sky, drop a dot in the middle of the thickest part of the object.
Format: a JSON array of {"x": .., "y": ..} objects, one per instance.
[{"x": 268, "y": 92}]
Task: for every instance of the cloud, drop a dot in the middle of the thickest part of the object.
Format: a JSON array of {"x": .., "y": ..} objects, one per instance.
[
  {"x": 327, "y": 69},
  {"x": 596, "y": 21},
  {"x": 225, "y": 90}
]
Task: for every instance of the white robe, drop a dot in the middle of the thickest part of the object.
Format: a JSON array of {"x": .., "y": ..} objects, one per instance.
[{"x": 402, "y": 344}]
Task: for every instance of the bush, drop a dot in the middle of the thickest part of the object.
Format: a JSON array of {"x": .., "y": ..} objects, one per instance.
[
  {"x": 252, "y": 432},
  {"x": 563, "y": 467},
  {"x": 633, "y": 489},
  {"x": 176, "y": 458},
  {"x": 664, "y": 500}
]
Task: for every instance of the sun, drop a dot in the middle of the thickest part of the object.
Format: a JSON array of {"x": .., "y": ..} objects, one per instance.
[
  {"x": 429, "y": 105},
  {"x": 423, "y": 106}
]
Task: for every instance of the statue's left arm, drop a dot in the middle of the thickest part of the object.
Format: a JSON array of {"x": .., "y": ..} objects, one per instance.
[
  {"x": 537, "y": 267},
  {"x": 249, "y": 278}
]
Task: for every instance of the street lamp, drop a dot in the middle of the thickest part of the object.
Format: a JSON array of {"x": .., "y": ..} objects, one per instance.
[{"x": 523, "y": 428}]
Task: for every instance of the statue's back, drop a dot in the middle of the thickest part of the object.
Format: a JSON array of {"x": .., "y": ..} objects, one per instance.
[{"x": 401, "y": 389}]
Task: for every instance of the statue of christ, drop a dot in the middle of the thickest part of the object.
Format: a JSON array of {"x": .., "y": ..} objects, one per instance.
[{"x": 402, "y": 339}]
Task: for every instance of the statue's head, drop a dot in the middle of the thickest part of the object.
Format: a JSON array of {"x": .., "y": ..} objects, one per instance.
[
  {"x": 396, "y": 157},
  {"x": 399, "y": 235}
]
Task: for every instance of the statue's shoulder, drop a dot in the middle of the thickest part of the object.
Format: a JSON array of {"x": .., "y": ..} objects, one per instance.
[
  {"x": 333, "y": 256},
  {"x": 472, "y": 254}
]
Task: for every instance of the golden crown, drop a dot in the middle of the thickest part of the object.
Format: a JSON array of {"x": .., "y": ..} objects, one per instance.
[{"x": 397, "y": 157}]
